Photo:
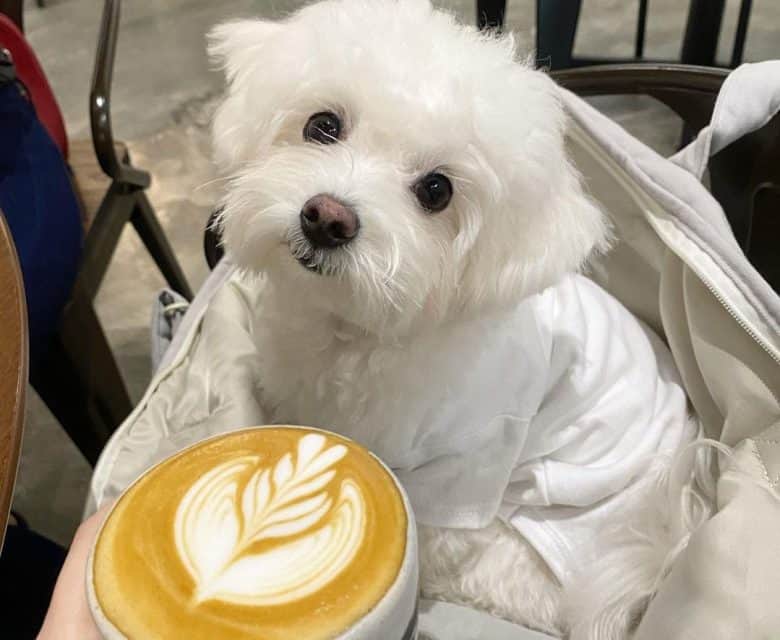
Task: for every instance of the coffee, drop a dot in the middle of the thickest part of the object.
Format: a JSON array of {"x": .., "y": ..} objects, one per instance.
[{"x": 274, "y": 533}]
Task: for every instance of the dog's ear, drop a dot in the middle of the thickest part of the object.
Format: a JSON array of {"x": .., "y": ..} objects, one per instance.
[
  {"x": 233, "y": 46},
  {"x": 543, "y": 224},
  {"x": 509, "y": 263},
  {"x": 245, "y": 51}
]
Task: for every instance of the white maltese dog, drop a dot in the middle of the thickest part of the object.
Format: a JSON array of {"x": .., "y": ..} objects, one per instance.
[{"x": 399, "y": 184}]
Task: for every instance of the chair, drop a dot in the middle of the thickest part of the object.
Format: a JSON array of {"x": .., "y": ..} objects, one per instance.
[
  {"x": 79, "y": 379},
  {"x": 117, "y": 195},
  {"x": 556, "y": 27}
]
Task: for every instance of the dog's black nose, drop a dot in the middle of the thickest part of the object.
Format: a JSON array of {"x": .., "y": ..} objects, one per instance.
[{"x": 328, "y": 223}]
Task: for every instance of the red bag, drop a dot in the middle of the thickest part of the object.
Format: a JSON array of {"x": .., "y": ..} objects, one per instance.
[{"x": 31, "y": 75}]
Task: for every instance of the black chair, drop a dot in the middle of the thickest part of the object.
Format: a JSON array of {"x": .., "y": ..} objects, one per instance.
[
  {"x": 556, "y": 28},
  {"x": 112, "y": 196}
]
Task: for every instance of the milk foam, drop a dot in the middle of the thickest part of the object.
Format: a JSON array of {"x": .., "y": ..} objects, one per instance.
[{"x": 315, "y": 536}]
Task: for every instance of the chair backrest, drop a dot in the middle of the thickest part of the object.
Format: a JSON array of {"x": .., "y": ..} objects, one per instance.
[{"x": 31, "y": 75}]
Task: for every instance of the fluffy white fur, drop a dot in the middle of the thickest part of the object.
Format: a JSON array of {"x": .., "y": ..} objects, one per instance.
[
  {"x": 608, "y": 602},
  {"x": 417, "y": 92}
]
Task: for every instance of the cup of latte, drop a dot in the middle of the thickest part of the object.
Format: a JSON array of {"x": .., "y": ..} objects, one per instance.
[{"x": 266, "y": 533}]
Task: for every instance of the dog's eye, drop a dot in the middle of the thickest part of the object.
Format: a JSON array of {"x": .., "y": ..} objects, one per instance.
[
  {"x": 323, "y": 127},
  {"x": 433, "y": 191}
]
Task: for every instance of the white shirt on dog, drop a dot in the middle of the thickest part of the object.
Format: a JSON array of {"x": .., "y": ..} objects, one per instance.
[
  {"x": 546, "y": 416},
  {"x": 551, "y": 427}
]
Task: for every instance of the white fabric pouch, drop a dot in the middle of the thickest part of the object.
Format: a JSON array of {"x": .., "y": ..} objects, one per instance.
[{"x": 676, "y": 266}]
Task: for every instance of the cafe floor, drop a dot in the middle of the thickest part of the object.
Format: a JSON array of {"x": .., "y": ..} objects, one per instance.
[{"x": 164, "y": 90}]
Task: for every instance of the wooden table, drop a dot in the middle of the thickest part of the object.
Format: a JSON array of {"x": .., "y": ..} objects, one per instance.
[{"x": 13, "y": 369}]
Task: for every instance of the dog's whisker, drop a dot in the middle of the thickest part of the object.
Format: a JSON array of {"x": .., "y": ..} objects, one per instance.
[{"x": 208, "y": 183}]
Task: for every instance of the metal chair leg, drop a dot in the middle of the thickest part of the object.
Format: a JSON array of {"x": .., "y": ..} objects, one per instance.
[
  {"x": 741, "y": 35},
  {"x": 80, "y": 381},
  {"x": 701, "y": 32},
  {"x": 148, "y": 227},
  {"x": 641, "y": 24},
  {"x": 556, "y": 26},
  {"x": 490, "y": 14}
]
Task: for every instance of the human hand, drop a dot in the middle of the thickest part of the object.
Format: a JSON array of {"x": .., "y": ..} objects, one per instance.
[{"x": 68, "y": 616}]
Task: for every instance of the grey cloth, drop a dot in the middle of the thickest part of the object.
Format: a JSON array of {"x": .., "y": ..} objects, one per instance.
[{"x": 168, "y": 311}]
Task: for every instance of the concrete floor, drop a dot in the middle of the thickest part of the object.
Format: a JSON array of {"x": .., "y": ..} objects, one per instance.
[{"x": 163, "y": 92}]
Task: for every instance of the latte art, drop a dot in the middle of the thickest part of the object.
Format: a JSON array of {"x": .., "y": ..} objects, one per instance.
[
  {"x": 272, "y": 533},
  {"x": 317, "y": 538}
]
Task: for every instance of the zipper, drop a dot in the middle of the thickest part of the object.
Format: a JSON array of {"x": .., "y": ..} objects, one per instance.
[
  {"x": 747, "y": 328},
  {"x": 647, "y": 203}
]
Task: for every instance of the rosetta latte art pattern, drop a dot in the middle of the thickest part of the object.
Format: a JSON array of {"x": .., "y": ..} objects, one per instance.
[{"x": 311, "y": 533}]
